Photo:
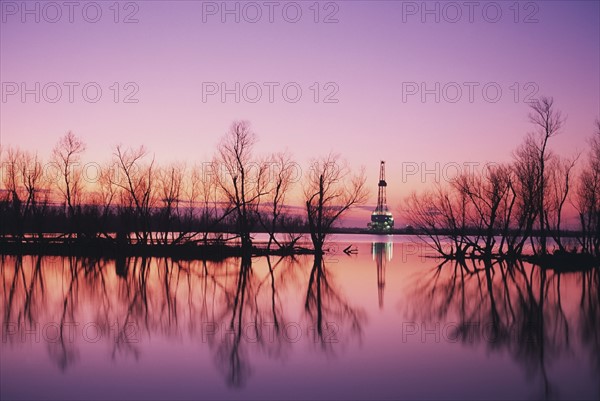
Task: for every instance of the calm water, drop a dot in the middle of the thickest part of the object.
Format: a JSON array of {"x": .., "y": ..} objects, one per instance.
[{"x": 383, "y": 323}]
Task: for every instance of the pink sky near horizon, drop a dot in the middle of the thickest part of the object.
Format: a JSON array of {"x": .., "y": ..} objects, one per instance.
[{"x": 368, "y": 54}]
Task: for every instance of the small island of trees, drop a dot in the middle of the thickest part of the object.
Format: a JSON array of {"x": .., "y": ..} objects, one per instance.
[{"x": 516, "y": 206}]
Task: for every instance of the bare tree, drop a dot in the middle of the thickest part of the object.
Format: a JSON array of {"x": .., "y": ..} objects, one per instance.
[
  {"x": 281, "y": 173},
  {"x": 242, "y": 179},
  {"x": 527, "y": 190},
  {"x": 25, "y": 192},
  {"x": 67, "y": 155},
  {"x": 547, "y": 121},
  {"x": 170, "y": 185},
  {"x": 329, "y": 192},
  {"x": 421, "y": 213},
  {"x": 486, "y": 194},
  {"x": 36, "y": 190},
  {"x": 560, "y": 182},
  {"x": 202, "y": 191},
  {"x": 12, "y": 184},
  {"x": 588, "y": 197},
  {"x": 192, "y": 193},
  {"x": 453, "y": 209},
  {"x": 31, "y": 176},
  {"x": 137, "y": 182},
  {"x": 106, "y": 193}
]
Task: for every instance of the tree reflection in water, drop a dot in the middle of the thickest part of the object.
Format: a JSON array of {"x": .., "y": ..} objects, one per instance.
[
  {"x": 513, "y": 308},
  {"x": 233, "y": 306},
  {"x": 244, "y": 309},
  {"x": 331, "y": 318}
]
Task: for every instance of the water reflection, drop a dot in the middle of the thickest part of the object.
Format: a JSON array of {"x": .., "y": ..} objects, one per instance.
[
  {"x": 235, "y": 307},
  {"x": 382, "y": 252},
  {"x": 328, "y": 311},
  {"x": 514, "y": 309},
  {"x": 245, "y": 315},
  {"x": 251, "y": 313}
]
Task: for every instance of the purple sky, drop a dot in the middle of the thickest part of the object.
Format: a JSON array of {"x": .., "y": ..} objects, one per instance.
[{"x": 371, "y": 57}]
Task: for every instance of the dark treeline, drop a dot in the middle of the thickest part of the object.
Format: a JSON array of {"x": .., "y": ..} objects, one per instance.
[
  {"x": 134, "y": 201},
  {"x": 515, "y": 208}
]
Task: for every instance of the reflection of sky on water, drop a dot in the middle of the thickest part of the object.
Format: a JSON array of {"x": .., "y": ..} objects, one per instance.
[{"x": 383, "y": 323}]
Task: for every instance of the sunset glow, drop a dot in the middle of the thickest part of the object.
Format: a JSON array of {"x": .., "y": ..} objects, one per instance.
[
  {"x": 312, "y": 199},
  {"x": 374, "y": 55}
]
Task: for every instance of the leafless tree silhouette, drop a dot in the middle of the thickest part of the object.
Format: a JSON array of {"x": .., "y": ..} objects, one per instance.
[
  {"x": 67, "y": 156},
  {"x": 138, "y": 194},
  {"x": 279, "y": 182},
  {"x": 329, "y": 192},
  {"x": 519, "y": 202},
  {"x": 243, "y": 181},
  {"x": 560, "y": 184},
  {"x": 170, "y": 188},
  {"x": 588, "y": 197},
  {"x": 547, "y": 121}
]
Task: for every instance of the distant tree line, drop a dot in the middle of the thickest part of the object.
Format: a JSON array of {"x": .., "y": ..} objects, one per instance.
[
  {"x": 135, "y": 200},
  {"x": 512, "y": 206}
]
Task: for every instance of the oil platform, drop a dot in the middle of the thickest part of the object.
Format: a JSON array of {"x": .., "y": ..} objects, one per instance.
[{"x": 381, "y": 219}]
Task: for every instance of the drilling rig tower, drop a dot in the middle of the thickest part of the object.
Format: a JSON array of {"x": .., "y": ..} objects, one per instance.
[{"x": 381, "y": 218}]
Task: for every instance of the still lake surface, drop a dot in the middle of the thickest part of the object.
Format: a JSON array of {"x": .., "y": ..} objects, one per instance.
[{"x": 383, "y": 323}]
